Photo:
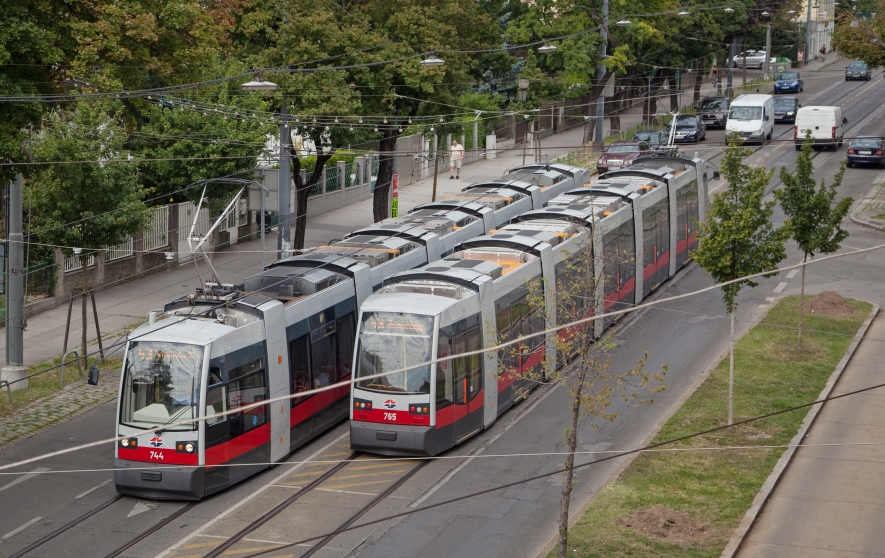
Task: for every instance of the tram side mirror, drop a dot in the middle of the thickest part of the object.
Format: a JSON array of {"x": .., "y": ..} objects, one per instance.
[
  {"x": 92, "y": 379},
  {"x": 715, "y": 175}
]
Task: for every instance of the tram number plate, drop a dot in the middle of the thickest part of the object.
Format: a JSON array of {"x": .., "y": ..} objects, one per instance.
[
  {"x": 157, "y": 455},
  {"x": 390, "y": 416}
]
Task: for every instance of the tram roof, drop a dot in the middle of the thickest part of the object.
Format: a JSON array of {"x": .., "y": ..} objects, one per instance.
[
  {"x": 407, "y": 303},
  {"x": 184, "y": 330}
]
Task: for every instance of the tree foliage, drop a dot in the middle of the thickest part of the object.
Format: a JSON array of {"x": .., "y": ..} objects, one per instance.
[
  {"x": 815, "y": 223},
  {"x": 88, "y": 204},
  {"x": 738, "y": 237},
  {"x": 862, "y": 38}
]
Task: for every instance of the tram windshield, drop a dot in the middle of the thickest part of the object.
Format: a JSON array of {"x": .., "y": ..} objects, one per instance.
[
  {"x": 392, "y": 341},
  {"x": 161, "y": 384}
]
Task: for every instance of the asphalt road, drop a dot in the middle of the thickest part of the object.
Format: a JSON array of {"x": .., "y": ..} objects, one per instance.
[{"x": 519, "y": 521}]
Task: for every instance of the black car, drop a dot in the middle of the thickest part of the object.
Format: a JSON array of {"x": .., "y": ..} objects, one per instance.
[
  {"x": 858, "y": 70},
  {"x": 689, "y": 129},
  {"x": 866, "y": 150},
  {"x": 785, "y": 109},
  {"x": 713, "y": 111},
  {"x": 654, "y": 138}
]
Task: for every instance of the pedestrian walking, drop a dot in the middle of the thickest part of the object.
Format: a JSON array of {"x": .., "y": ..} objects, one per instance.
[
  {"x": 457, "y": 155},
  {"x": 823, "y": 52},
  {"x": 714, "y": 75}
]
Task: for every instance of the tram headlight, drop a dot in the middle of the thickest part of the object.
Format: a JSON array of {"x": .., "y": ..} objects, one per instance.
[
  {"x": 130, "y": 443},
  {"x": 186, "y": 447}
]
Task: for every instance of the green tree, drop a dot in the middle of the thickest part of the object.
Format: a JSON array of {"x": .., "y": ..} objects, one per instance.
[
  {"x": 815, "y": 223},
  {"x": 583, "y": 360},
  {"x": 738, "y": 237},
  {"x": 86, "y": 195},
  {"x": 862, "y": 36}
]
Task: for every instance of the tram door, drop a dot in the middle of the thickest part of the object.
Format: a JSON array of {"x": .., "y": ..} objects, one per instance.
[{"x": 468, "y": 380}]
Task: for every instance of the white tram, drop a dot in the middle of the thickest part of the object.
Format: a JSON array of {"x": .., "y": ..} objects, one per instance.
[
  {"x": 285, "y": 330},
  {"x": 639, "y": 221}
]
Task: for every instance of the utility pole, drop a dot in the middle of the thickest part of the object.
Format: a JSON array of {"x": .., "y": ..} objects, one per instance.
[
  {"x": 766, "y": 73},
  {"x": 15, "y": 289},
  {"x": 744, "y": 61},
  {"x": 600, "y": 101},
  {"x": 807, "y": 56},
  {"x": 284, "y": 186},
  {"x": 730, "y": 64}
]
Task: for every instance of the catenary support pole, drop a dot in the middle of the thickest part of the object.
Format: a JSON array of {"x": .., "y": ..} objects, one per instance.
[
  {"x": 284, "y": 188},
  {"x": 730, "y": 64},
  {"x": 766, "y": 74},
  {"x": 15, "y": 304},
  {"x": 600, "y": 101},
  {"x": 808, "y": 56},
  {"x": 731, "y": 374}
]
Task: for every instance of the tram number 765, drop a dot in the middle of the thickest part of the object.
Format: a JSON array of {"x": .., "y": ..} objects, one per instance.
[
  {"x": 390, "y": 416},
  {"x": 157, "y": 455}
]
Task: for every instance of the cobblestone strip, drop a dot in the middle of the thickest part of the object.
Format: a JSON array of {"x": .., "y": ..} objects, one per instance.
[
  {"x": 872, "y": 205},
  {"x": 72, "y": 400}
]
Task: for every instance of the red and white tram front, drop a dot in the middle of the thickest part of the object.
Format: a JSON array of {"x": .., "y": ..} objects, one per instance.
[{"x": 421, "y": 410}]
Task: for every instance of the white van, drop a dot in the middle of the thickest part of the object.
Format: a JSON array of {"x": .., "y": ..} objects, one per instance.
[
  {"x": 751, "y": 117},
  {"x": 826, "y": 124}
]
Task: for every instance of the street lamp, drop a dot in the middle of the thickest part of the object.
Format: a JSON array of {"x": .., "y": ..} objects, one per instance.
[
  {"x": 284, "y": 177},
  {"x": 547, "y": 48},
  {"x": 624, "y": 23},
  {"x": 729, "y": 10},
  {"x": 765, "y": 72},
  {"x": 432, "y": 61}
]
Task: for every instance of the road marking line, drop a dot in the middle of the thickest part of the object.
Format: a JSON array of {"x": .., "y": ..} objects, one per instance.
[
  {"x": 93, "y": 489},
  {"x": 339, "y": 486},
  {"x": 357, "y": 493},
  {"x": 362, "y": 476},
  {"x": 24, "y": 477},
  {"x": 780, "y": 287},
  {"x": 792, "y": 274},
  {"x": 20, "y": 529},
  {"x": 249, "y": 498}
]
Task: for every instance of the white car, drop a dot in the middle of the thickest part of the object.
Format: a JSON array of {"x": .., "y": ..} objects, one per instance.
[{"x": 755, "y": 59}]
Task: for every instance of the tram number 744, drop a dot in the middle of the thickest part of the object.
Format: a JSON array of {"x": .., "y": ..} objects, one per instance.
[
  {"x": 157, "y": 455},
  {"x": 390, "y": 416}
]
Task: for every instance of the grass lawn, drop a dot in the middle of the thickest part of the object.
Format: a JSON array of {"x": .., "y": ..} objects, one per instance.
[
  {"x": 705, "y": 493},
  {"x": 48, "y": 383}
]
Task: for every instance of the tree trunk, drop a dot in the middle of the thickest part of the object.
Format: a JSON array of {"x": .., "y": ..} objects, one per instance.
[
  {"x": 802, "y": 298},
  {"x": 698, "y": 77},
  {"x": 380, "y": 208},
  {"x": 302, "y": 191},
  {"x": 572, "y": 442},
  {"x": 731, "y": 374},
  {"x": 674, "y": 94}
]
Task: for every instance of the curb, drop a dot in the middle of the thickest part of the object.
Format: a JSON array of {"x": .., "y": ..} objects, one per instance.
[
  {"x": 758, "y": 505},
  {"x": 574, "y": 517}
]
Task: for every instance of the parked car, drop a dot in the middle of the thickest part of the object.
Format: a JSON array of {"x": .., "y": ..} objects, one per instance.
[
  {"x": 785, "y": 109},
  {"x": 866, "y": 150},
  {"x": 755, "y": 59},
  {"x": 689, "y": 128},
  {"x": 621, "y": 154},
  {"x": 713, "y": 111},
  {"x": 788, "y": 82},
  {"x": 858, "y": 70},
  {"x": 654, "y": 138}
]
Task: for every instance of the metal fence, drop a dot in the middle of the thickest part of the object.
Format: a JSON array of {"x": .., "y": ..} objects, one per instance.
[
  {"x": 120, "y": 251},
  {"x": 156, "y": 234},
  {"x": 350, "y": 178},
  {"x": 40, "y": 282},
  {"x": 332, "y": 183},
  {"x": 74, "y": 263}
]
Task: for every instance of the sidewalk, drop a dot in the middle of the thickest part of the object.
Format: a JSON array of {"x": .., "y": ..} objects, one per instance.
[
  {"x": 870, "y": 211},
  {"x": 831, "y": 499}
]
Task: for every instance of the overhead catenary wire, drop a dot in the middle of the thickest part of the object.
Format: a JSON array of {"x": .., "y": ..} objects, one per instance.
[{"x": 431, "y": 362}]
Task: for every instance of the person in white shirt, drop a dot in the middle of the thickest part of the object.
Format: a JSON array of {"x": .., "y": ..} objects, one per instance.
[{"x": 457, "y": 155}]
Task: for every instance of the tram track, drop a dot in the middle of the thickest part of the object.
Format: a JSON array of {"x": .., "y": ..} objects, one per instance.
[
  {"x": 357, "y": 461},
  {"x": 67, "y": 527}
]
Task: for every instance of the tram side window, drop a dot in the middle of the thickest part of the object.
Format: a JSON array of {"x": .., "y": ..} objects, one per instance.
[
  {"x": 505, "y": 358},
  {"x": 299, "y": 356},
  {"x": 460, "y": 365},
  {"x": 216, "y": 398},
  {"x": 244, "y": 391},
  {"x": 474, "y": 379},
  {"x": 322, "y": 352},
  {"x": 444, "y": 395},
  {"x": 344, "y": 326}
]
